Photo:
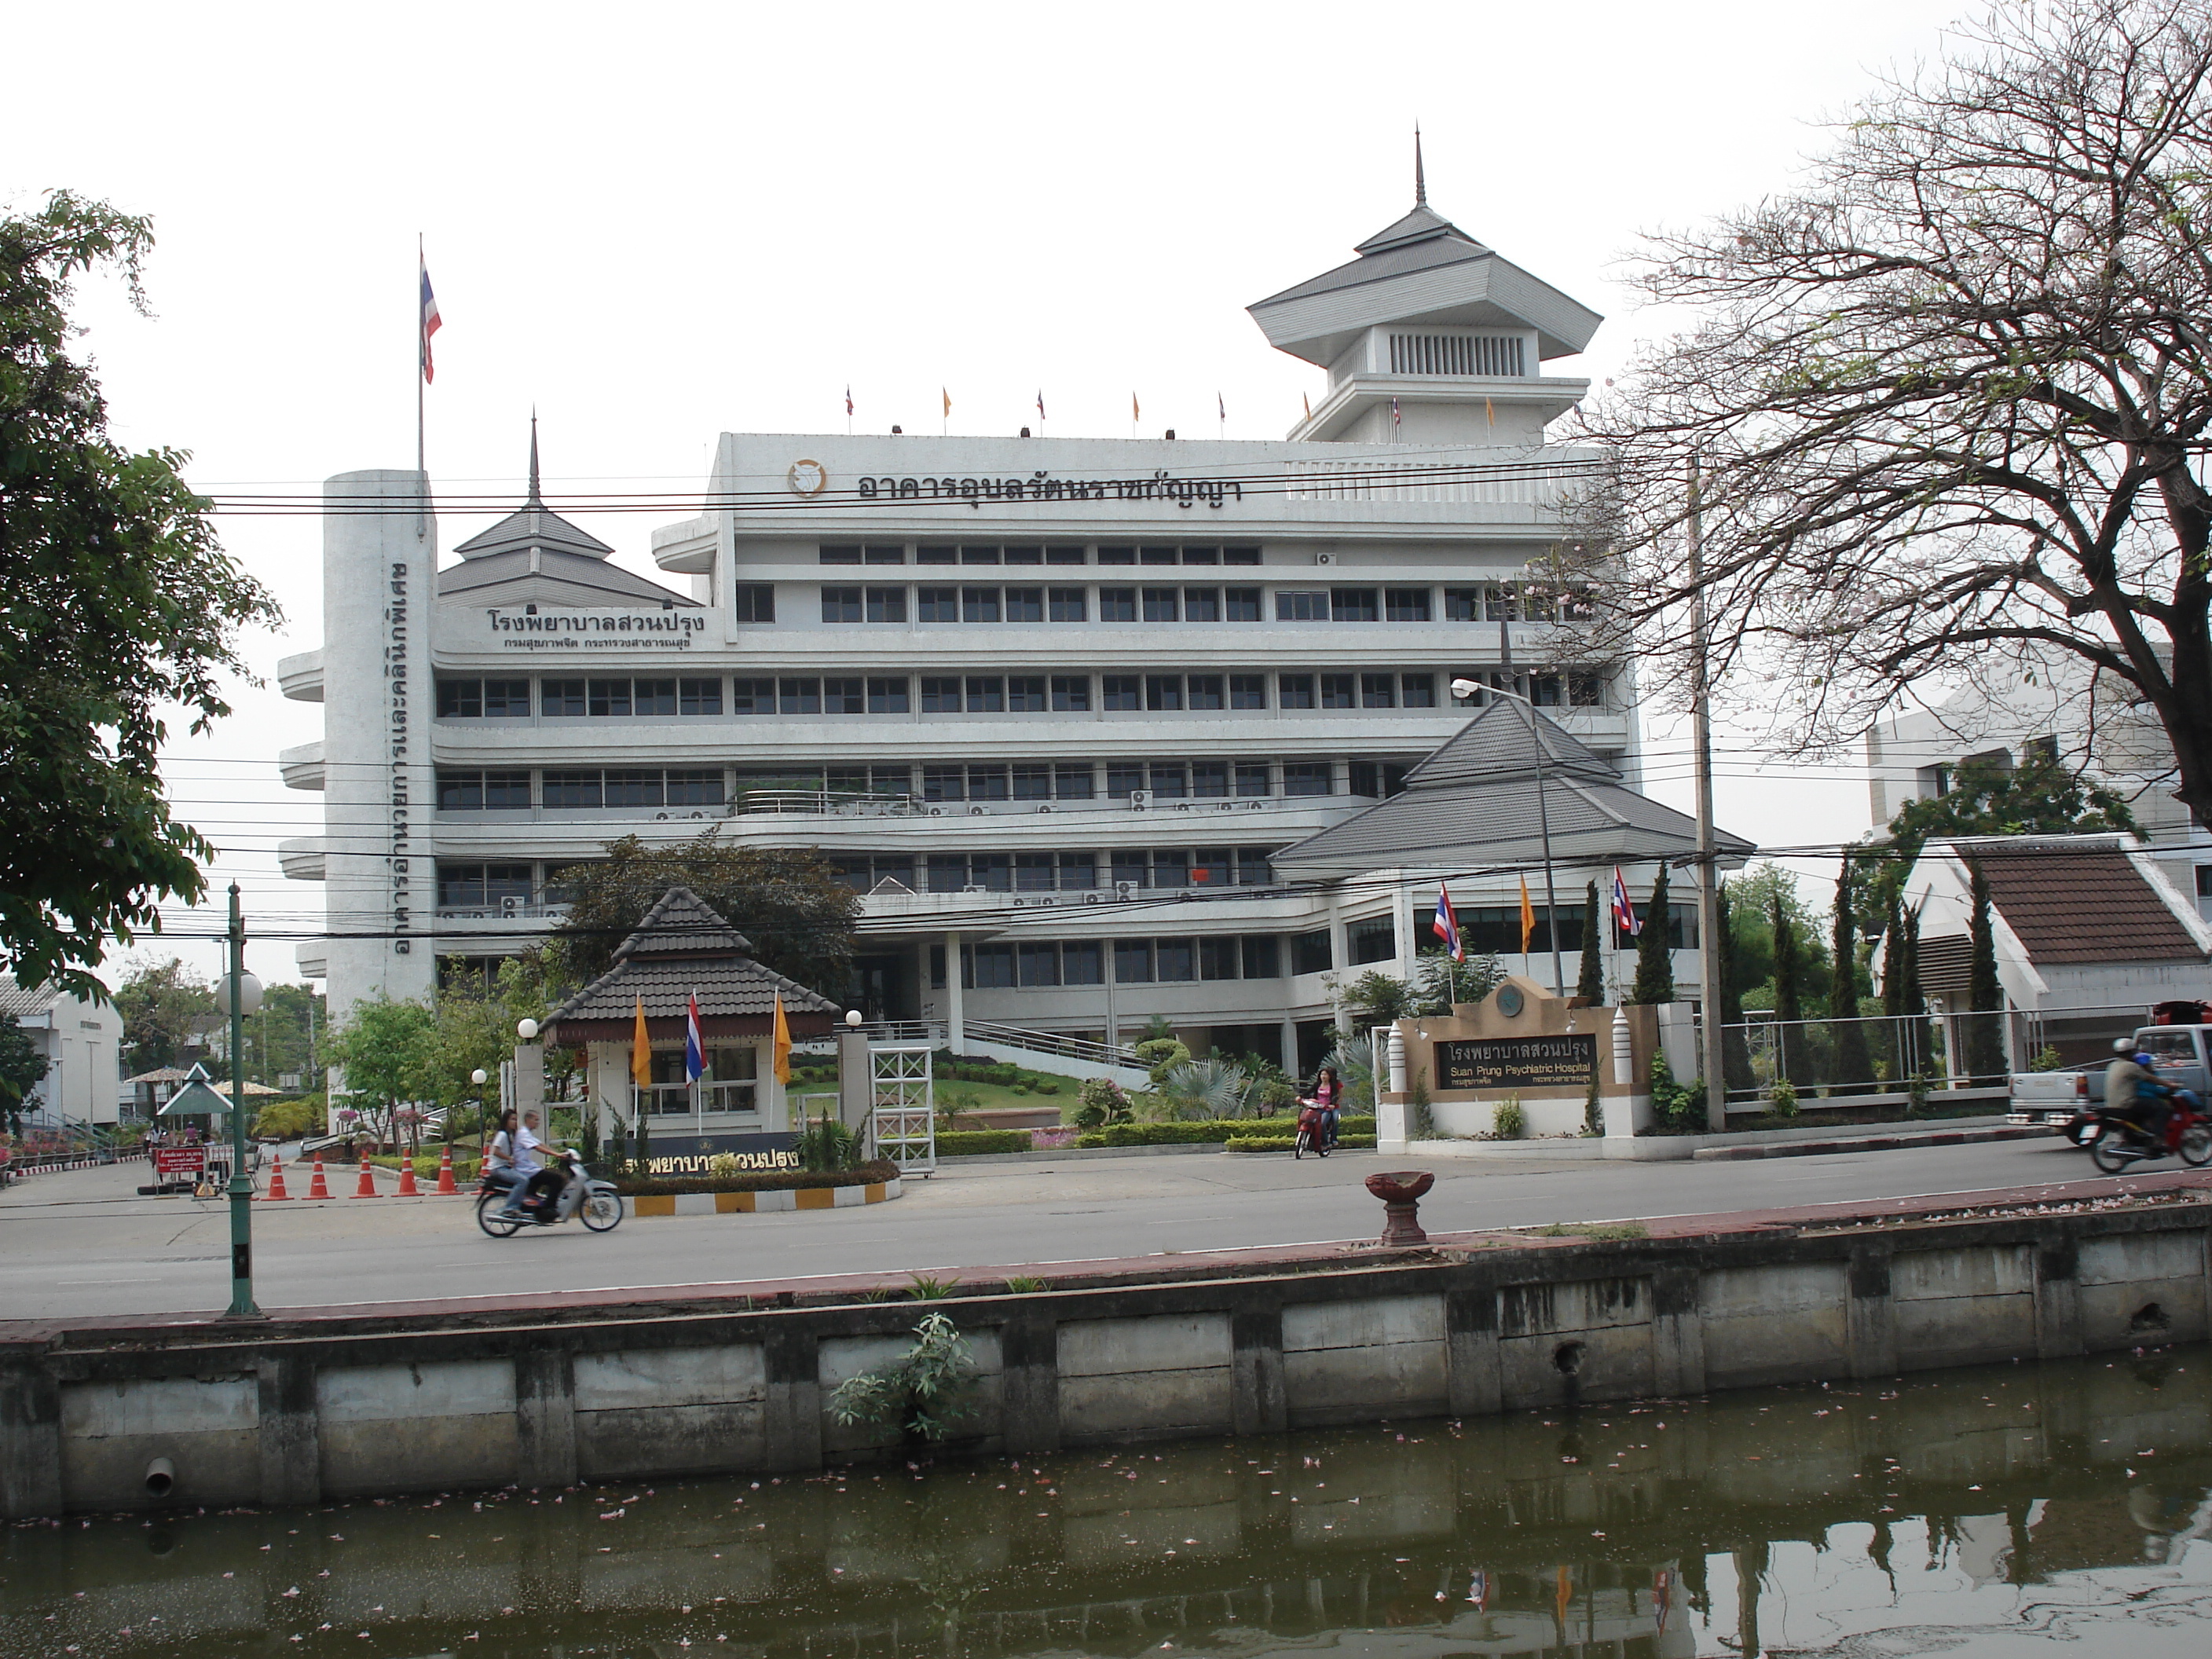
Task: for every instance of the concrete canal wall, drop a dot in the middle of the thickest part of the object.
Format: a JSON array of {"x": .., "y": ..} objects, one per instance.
[{"x": 295, "y": 1413}]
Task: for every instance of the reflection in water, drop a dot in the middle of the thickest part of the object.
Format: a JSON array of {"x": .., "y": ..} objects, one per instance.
[{"x": 1978, "y": 1513}]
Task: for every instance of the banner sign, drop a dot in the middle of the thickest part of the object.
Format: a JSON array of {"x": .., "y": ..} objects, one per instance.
[
  {"x": 1564, "y": 1062},
  {"x": 180, "y": 1160},
  {"x": 689, "y": 1154}
]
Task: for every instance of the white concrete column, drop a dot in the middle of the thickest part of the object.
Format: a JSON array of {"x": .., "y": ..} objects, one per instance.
[
  {"x": 1623, "y": 1050},
  {"x": 956, "y": 1008},
  {"x": 380, "y": 789}
]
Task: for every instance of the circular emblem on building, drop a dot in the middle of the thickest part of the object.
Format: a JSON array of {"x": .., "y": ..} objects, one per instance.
[
  {"x": 807, "y": 477},
  {"x": 1509, "y": 1001}
]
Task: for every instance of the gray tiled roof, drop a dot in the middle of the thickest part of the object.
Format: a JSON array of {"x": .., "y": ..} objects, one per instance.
[
  {"x": 1498, "y": 743},
  {"x": 534, "y": 525},
  {"x": 547, "y": 576},
  {"x": 683, "y": 948},
  {"x": 18, "y": 1002},
  {"x": 1422, "y": 240}
]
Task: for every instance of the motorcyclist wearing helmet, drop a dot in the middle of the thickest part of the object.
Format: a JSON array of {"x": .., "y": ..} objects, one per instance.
[{"x": 2133, "y": 1091}]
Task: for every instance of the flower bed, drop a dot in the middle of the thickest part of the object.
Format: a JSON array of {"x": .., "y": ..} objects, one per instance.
[
  {"x": 1216, "y": 1133},
  {"x": 766, "y": 1180},
  {"x": 1283, "y": 1143}
]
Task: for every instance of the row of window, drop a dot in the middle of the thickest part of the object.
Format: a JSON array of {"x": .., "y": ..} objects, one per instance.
[
  {"x": 994, "y": 694},
  {"x": 1056, "y": 553},
  {"x": 1178, "y": 868},
  {"x": 992, "y": 604},
  {"x": 468, "y": 886},
  {"x": 1134, "y": 961},
  {"x": 469, "y": 789}
]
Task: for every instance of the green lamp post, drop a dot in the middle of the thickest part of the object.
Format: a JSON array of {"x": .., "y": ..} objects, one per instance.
[{"x": 244, "y": 998}]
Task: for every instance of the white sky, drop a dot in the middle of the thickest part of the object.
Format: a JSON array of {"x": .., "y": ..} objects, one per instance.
[{"x": 658, "y": 222}]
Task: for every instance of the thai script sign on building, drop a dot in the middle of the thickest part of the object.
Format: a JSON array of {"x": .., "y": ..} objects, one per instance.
[
  {"x": 1161, "y": 486},
  {"x": 596, "y": 630},
  {"x": 1532, "y": 1062},
  {"x": 396, "y": 690}
]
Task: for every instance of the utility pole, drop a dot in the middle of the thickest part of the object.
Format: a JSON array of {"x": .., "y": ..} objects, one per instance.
[
  {"x": 241, "y": 1184},
  {"x": 1709, "y": 872}
]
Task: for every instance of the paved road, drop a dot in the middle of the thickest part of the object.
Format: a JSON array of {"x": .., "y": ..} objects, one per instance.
[{"x": 80, "y": 1243}]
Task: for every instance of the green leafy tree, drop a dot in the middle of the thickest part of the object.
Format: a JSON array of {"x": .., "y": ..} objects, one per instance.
[
  {"x": 387, "y": 1050},
  {"x": 473, "y": 1029},
  {"x": 1735, "y": 1045},
  {"x": 1439, "y": 982},
  {"x": 282, "y": 1034},
  {"x": 166, "y": 1008},
  {"x": 1850, "y": 1062},
  {"x": 116, "y": 603},
  {"x": 1902, "y": 1005},
  {"x": 1589, "y": 984},
  {"x": 21, "y": 1066},
  {"x": 1788, "y": 990},
  {"x": 1655, "y": 961},
  {"x": 1984, "y": 798},
  {"x": 1378, "y": 999},
  {"x": 787, "y": 901}
]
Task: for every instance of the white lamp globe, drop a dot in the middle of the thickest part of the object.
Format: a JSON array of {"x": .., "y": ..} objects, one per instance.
[
  {"x": 852, "y": 1017},
  {"x": 526, "y": 1030},
  {"x": 249, "y": 994},
  {"x": 479, "y": 1077}
]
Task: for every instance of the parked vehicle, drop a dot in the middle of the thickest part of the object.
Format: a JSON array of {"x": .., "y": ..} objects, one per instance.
[
  {"x": 2066, "y": 1102},
  {"x": 580, "y": 1197}
]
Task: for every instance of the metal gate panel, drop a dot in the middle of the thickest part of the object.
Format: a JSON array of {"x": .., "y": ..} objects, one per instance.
[{"x": 902, "y": 1124}]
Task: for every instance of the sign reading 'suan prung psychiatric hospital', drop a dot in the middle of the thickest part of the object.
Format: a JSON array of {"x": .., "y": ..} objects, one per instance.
[{"x": 1534, "y": 1062}]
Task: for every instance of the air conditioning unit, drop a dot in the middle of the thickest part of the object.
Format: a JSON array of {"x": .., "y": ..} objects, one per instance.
[
  {"x": 1324, "y": 558},
  {"x": 510, "y": 908},
  {"x": 1139, "y": 800}
]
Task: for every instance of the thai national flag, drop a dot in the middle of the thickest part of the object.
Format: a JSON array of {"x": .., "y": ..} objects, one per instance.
[
  {"x": 1624, "y": 912},
  {"x": 430, "y": 326},
  {"x": 1445, "y": 926},
  {"x": 695, "y": 1048},
  {"x": 848, "y": 403}
]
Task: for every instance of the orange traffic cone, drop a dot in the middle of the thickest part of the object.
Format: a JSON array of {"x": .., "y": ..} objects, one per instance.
[
  {"x": 319, "y": 1187},
  {"x": 367, "y": 1187},
  {"x": 407, "y": 1187},
  {"x": 446, "y": 1188},
  {"x": 275, "y": 1195}
]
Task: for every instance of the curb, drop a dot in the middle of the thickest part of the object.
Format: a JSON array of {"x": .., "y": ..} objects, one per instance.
[
  {"x": 1869, "y": 1143},
  {"x": 652, "y": 1206}
]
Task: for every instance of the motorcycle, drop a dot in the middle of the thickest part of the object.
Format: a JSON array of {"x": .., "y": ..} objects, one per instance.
[
  {"x": 2118, "y": 1141},
  {"x": 580, "y": 1197},
  {"x": 1313, "y": 1134}
]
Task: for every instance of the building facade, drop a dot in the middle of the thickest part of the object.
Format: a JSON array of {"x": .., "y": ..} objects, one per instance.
[
  {"x": 1052, "y": 705},
  {"x": 81, "y": 1042}
]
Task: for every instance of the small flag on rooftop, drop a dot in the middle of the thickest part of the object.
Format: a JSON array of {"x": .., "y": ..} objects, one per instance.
[{"x": 430, "y": 324}]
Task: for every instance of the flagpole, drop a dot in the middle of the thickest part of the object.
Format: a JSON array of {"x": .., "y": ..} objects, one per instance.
[{"x": 422, "y": 345}]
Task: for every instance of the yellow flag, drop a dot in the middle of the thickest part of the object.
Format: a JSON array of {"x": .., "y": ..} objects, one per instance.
[
  {"x": 782, "y": 1042},
  {"x": 1134, "y": 415},
  {"x": 948, "y": 399},
  {"x": 640, "y": 1051},
  {"x": 1490, "y": 411},
  {"x": 1528, "y": 917},
  {"x": 1308, "y": 402}
]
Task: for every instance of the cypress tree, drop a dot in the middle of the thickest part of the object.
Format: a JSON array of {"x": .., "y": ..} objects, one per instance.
[
  {"x": 1788, "y": 1001},
  {"x": 1984, "y": 1043},
  {"x": 1735, "y": 1044},
  {"x": 1590, "y": 986},
  {"x": 1654, "y": 962},
  {"x": 1847, "y": 1042}
]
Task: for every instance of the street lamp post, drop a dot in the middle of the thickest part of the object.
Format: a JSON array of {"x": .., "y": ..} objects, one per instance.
[{"x": 242, "y": 985}]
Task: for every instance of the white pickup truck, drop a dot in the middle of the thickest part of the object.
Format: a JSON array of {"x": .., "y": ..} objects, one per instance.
[{"x": 2061, "y": 1101}]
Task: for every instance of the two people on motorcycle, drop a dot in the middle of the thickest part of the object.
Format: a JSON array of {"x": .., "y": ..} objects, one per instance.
[
  {"x": 2132, "y": 1092},
  {"x": 512, "y": 1160}
]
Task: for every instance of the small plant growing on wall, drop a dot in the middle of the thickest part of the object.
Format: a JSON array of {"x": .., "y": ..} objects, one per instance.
[
  {"x": 1507, "y": 1120},
  {"x": 923, "y": 1393},
  {"x": 1782, "y": 1098},
  {"x": 1592, "y": 1112},
  {"x": 1420, "y": 1115}
]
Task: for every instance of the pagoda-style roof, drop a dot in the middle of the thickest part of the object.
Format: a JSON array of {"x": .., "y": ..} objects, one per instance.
[
  {"x": 535, "y": 556},
  {"x": 1421, "y": 270},
  {"x": 682, "y": 949},
  {"x": 1475, "y": 801}
]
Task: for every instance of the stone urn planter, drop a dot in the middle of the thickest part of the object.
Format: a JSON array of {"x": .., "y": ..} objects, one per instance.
[{"x": 1402, "y": 1191}]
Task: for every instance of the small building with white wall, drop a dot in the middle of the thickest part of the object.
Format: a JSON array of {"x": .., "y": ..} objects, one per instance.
[{"x": 83, "y": 1043}]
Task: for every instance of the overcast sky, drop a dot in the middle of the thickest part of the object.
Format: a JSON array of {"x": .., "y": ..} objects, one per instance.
[{"x": 656, "y": 222}]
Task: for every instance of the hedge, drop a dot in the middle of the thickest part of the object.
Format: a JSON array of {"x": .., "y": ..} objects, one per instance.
[
  {"x": 1220, "y": 1130},
  {"x": 1283, "y": 1143},
  {"x": 967, "y": 1143},
  {"x": 763, "y": 1181},
  {"x": 465, "y": 1169}
]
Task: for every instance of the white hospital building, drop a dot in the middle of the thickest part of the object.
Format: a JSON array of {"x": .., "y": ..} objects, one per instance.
[{"x": 1056, "y": 706}]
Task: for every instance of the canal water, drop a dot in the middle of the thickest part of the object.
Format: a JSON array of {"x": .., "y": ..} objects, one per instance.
[{"x": 1983, "y": 1513}]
